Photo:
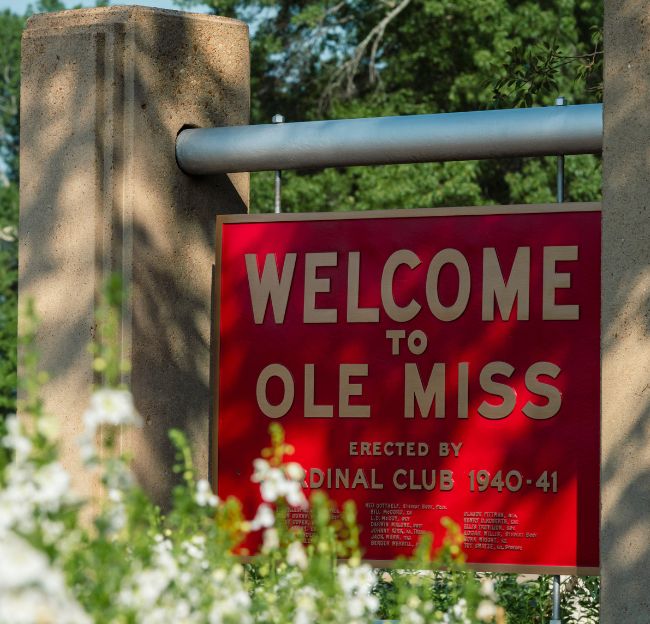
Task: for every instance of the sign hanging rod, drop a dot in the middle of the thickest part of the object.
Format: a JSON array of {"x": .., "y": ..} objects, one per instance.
[{"x": 546, "y": 131}]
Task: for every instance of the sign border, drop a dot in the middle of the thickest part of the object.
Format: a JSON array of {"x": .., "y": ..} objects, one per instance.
[{"x": 392, "y": 213}]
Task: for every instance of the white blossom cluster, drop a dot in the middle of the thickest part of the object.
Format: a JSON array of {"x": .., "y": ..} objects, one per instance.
[
  {"x": 32, "y": 589},
  {"x": 108, "y": 406},
  {"x": 31, "y": 491},
  {"x": 306, "y": 600},
  {"x": 181, "y": 587},
  {"x": 487, "y": 610},
  {"x": 356, "y": 583},
  {"x": 204, "y": 496},
  {"x": 180, "y": 580},
  {"x": 285, "y": 482}
]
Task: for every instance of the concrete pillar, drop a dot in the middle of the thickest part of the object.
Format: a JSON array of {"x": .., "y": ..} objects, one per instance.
[
  {"x": 104, "y": 93},
  {"x": 625, "y": 472}
]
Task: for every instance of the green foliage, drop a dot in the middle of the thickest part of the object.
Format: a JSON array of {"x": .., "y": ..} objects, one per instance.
[
  {"x": 317, "y": 58},
  {"x": 527, "y": 598},
  {"x": 535, "y": 69},
  {"x": 8, "y": 325},
  {"x": 10, "y": 31},
  {"x": 108, "y": 364},
  {"x": 356, "y": 58},
  {"x": 118, "y": 559},
  {"x": 11, "y": 27}
]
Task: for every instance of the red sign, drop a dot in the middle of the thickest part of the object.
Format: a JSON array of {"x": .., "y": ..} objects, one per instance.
[{"x": 425, "y": 364}]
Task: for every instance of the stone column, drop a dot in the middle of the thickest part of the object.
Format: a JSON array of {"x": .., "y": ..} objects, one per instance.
[
  {"x": 625, "y": 333},
  {"x": 104, "y": 93}
]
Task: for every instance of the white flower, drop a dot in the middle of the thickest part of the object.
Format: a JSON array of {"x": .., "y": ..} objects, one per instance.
[
  {"x": 29, "y": 489},
  {"x": 458, "y": 612},
  {"x": 487, "y": 588},
  {"x": 294, "y": 494},
  {"x": 116, "y": 517},
  {"x": 31, "y": 590},
  {"x": 460, "y": 608},
  {"x": 272, "y": 486},
  {"x": 87, "y": 450},
  {"x": 52, "y": 486},
  {"x": 264, "y": 518},
  {"x": 232, "y": 607},
  {"x": 486, "y": 611},
  {"x": 27, "y": 565},
  {"x": 52, "y": 530},
  {"x": 194, "y": 549},
  {"x": 295, "y": 471},
  {"x": 34, "y": 605},
  {"x": 204, "y": 495},
  {"x": 357, "y": 583},
  {"x": 48, "y": 426},
  {"x": 260, "y": 469},
  {"x": 147, "y": 587},
  {"x": 306, "y": 605},
  {"x": 231, "y": 602},
  {"x": 271, "y": 540},
  {"x": 109, "y": 406},
  {"x": 408, "y": 616},
  {"x": 275, "y": 483},
  {"x": 296, "y": 555},
  {"x": 164, "y": 559},
  {"x": 14, "y": 439}
]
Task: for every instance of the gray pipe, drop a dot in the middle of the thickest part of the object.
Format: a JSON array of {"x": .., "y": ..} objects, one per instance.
[{"x": 545, "y": 131}]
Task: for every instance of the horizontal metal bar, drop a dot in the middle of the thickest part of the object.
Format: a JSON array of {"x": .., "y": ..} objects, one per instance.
[{"x": 517, "y": 132}]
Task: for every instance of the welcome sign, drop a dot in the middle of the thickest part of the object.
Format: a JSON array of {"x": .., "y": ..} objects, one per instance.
[{"x": 425, "y": 364}]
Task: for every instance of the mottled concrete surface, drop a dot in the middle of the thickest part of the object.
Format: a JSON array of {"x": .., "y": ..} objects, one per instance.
[
  {"x": 625, "y": 472},
  {"x": 104, "y": 93}
]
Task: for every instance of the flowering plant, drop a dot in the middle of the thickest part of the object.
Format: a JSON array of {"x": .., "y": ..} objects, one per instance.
[{"x": 118, "y": 558}]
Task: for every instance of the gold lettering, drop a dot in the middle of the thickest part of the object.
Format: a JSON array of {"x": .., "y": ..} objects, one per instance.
[
  {"x": 440, "y": 311},
  {"x": 415, "y": 392},
  {"x": 355, "y": 313},
  {"x": 270, "y": 285},
  {"x": 315, "y": 285},
  {"x": 395, "y": 312},
  {"x": 552, "y": 311},
  {"x": 311, "y": 409},
  {"x": 495, "y": 287},
  {"x": 463, "y": 389},
  {"x": 348, "y": 389},
  {"x": 268, "y": 409},
  {"x": 554, "y": 396},
  {"x": 496, "y": 412}
]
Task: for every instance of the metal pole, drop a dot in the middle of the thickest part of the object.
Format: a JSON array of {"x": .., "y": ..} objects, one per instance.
[
  {"x": 560, "y": 163},
  {"x": 546, "y": 131},
  {"x": 556, "y": 615},
  {"x": 278, "y": 119},
  {"x": 555, "y": 618}
]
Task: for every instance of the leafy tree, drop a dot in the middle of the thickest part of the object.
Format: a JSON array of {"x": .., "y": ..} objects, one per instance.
[
  {"x": 10, "y": 29},
  {"x": 314, "y": 59}
]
